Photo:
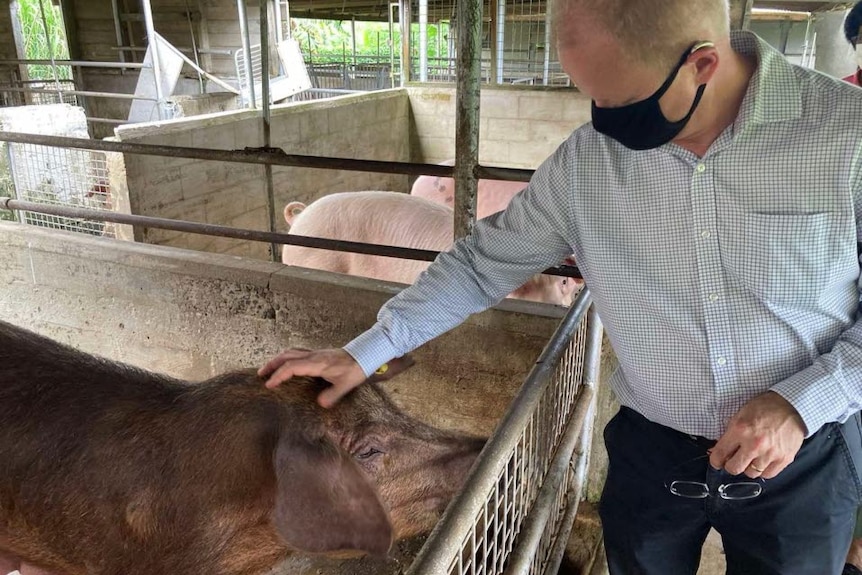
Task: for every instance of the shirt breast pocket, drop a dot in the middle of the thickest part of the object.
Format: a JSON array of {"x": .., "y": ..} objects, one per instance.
[{"x": 787, "y": 259}]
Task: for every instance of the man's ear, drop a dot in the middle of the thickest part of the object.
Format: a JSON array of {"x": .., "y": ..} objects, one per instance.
[
  {"x": 324, "y": 502},
  {"x": 706, "y": 64},
  {"x": 391, "y": 368}
]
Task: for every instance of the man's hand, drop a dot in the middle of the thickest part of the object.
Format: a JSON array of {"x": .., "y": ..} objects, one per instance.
[
  {"x": 761, "y": 439},
  {"x": 334, "y": 365}
]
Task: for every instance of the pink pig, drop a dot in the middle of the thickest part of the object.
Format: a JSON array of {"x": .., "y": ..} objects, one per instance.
[
  {"x": 392, "y": 219},
  {"x": 492, "y": 196}
]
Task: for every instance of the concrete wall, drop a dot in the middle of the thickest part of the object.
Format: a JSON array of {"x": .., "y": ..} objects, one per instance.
[
  {"x": 519, "y": 127},
  {"x": 834, "y": 55},
  {"x": 771, "y": 31},
  {"x": 366, "y": 126},
  {"x": 193, "y": 315}
]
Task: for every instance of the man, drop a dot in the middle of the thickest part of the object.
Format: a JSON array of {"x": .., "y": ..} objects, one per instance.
[
  {"x": 712, "y": 208},
  {"x": 852, "y": 24}
]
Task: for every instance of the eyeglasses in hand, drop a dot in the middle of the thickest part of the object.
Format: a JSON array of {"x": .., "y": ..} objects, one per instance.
[{"x": 733, "y": 491}]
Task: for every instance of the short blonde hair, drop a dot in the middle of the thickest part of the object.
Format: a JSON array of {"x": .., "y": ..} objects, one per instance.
[{"x": 653, "y": 32}]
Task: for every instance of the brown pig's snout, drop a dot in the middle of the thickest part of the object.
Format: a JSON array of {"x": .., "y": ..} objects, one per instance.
[{"x": 460, "y": 462}]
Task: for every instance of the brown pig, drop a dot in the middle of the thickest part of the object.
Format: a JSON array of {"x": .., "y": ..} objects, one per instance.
[
  {"x": 111, "y": 470},
  {"x": 391, "y": 219}
]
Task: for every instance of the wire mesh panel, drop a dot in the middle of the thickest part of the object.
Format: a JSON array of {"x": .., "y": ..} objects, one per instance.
[
  {"x": 517, "y": 45},
  {"x": 480, "y": 531},
  {"x": 61, "y": 176},
  {"x": 241, "y": 70}
]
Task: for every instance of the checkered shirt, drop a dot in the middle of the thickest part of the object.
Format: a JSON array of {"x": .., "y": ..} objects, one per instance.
[{"x": 717, "y": 278}]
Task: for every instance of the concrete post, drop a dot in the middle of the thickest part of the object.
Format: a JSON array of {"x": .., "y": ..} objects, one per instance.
[
  {"x": 834, "y": 55},
  {"x": 740, "y": 14}
]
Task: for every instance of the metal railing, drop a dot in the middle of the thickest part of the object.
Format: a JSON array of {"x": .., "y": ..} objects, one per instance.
[{"x": 516, "y": 509}]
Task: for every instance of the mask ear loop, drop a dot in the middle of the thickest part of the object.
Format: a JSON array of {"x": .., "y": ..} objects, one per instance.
[{"x": 664, "y": 87}]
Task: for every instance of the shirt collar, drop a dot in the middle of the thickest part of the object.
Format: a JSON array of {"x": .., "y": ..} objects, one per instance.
[{"x": 773, "y": 93}]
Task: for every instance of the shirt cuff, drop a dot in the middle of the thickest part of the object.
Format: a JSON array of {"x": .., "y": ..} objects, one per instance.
[
  {"x": 371, "y": 349},
  {"x": 816, "y": 395}
]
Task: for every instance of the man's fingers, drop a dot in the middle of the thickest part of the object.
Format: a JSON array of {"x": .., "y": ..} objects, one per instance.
[
  {"x": 332, "y": 395},
  {"x": 276, "y": 362},
  {"x": 720, "y": 453},
  {"x": 280, "y": 375},
  {"x": 741, "y": 462},
  {"x": 291, "y": 368}
]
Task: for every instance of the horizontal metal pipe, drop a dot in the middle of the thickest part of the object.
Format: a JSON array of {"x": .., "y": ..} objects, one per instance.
[
  {"x": 107, "y": 121},
  {"x": 76, "y": 93},
  {"x": 510, "y": 174},
  {"x": 217, "y": 51},
  {"x": 446, "y": 539},
  {"x": 79, "y": 63},
  {"x": 238, "y": 233},
  {"x": 530, "y": 537},
  {"x": 262, "y": 156}
]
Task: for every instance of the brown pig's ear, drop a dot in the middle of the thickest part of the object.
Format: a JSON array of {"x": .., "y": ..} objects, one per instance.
[
  {"x": 392, "y": 368},
  {"x": 325, "y": 502}
]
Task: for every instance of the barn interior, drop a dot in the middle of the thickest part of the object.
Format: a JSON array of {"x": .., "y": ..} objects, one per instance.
[{"x": 220, "y": 113}]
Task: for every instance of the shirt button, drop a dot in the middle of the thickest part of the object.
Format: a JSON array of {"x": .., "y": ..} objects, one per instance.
[
  {"x": 705, "y": 234},
  {"x": 700, "y": 168},
  {"x": 713, "y": 297},
  {"x": 721, "y": 361}
]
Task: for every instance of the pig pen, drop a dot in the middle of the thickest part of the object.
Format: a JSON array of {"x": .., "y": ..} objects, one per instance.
[
  {"x": 193, "y": 315},
  {"x": 520, "y": 128}
]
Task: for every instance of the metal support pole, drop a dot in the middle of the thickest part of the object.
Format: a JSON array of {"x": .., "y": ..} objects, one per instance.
[
  {"x": 153, "y": 43},
  {"x": 392, "y": 6},
  {"x": 501, "y": 40},
  {"x": 423, "y": 40},
  {"x": 353, "y": 39},
  {"x": 246, "y": 48},
  {"x": 266, "y": 117},
  {"x": 195, "y": 47},
  {"x": 546, "y": 60},
  {"x": 118, "y": 31},
  {"x": 404, "y": 21},
  {"x": 469, "y": 66}
]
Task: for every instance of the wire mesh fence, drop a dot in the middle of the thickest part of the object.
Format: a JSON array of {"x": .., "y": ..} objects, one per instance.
[
  {"x": 526, "y": 482},
  {"x": 58, "y": 176}
]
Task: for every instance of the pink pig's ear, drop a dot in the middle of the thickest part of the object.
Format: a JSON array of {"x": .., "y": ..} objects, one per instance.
[{"x": 325, "y": 502}]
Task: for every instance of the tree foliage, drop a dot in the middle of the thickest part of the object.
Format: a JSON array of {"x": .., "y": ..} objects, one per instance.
[{"x": 37, "y": 44}]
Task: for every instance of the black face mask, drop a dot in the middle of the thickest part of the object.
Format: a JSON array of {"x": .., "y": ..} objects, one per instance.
[{"x": 642, "y": 126}]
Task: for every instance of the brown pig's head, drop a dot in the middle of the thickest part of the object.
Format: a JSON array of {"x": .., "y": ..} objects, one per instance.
[{"x": 364, "y": 472}]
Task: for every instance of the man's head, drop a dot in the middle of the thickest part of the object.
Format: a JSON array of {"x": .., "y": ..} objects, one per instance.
[
  {"x": 852, "y": 24},
  {"x": 620, "y": 52},
  {"x": 650, "y": 32}
]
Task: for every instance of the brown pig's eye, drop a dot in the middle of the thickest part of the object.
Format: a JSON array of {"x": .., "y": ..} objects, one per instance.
[{"x": 371, "y": 452}]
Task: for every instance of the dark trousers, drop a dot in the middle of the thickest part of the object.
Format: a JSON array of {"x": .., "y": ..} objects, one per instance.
[{"x": 801, "y": 524}]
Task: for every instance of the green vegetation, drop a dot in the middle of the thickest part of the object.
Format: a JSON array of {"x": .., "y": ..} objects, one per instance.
[
  {"x": 38, "y": 46},
  {"x": 330, "y": 40}
]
